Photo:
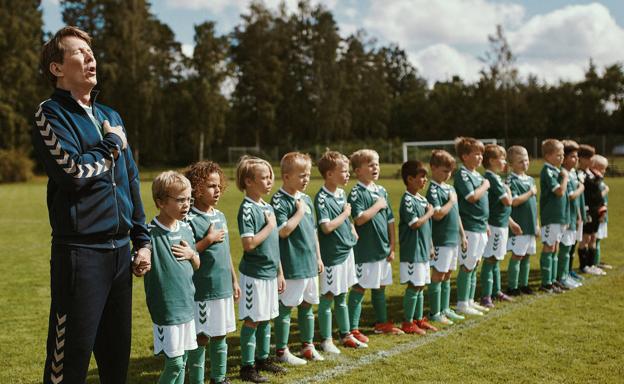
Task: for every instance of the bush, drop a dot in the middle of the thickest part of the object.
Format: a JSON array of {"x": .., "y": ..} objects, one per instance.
[{"x": 15, "y": 166}]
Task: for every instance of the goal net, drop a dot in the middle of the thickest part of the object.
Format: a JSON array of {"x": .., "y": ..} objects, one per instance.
[{"x": 421, "y": 150}]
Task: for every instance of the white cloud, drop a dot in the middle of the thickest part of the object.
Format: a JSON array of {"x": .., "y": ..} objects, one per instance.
[
  {"x": 441, "y": 62},
  {"x": 218, "y": 6},
  {"x": 188, "y": 49}
]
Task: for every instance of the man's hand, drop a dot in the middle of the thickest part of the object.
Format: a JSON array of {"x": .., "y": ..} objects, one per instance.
[
  {"x": 142, "y": 262},
  {"x": 116, "y": 130}
]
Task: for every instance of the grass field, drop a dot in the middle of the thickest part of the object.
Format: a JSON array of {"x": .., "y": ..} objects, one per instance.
[{"x": 573, "y": 338}]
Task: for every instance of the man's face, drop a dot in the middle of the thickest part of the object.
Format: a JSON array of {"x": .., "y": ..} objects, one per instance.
[{"x": 78, "y": 70}]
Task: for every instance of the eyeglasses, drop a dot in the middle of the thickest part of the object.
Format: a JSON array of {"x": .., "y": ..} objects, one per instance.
[{"x": 183, "y": 200}]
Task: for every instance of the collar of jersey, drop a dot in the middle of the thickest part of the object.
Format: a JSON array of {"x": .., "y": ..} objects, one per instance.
[
  {"x": 443, "y": 186},
  {"x": 262, "y": 203},
  {"x": 373, "y": 187},
  {"x": 417, "y": 196},
  {"x": 474, "y": 173},
  {"x": 334, "y": 194},
  {"x": 492, "y": 172},
  {"x": 521, "y": 177},
  {"x": 175, "y": 229},
  {"x": 200, "y": 212},
  {"x": 296, "y": 196},
  {"x": 551, "y": 166}
]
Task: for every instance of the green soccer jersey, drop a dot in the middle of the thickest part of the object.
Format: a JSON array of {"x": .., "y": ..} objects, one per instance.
[
  {"x": 474, "y": 216},
  {"x": 297, "y": 250},
  {"x": 169, "y": 286},
  {"x": 499, "y": 212},
  {"x": 573, "y": 205},
  {"x": 336, "y": 245},
  {"x": 374, "y": 240},
  {"x": 445, "y": 232},
  {"x": 213, "y": 279},
  {"x": 553, "y": 209},
  {"x": 603, "y": 186},
  {"x": 415, "y": 243},
  {"x": 525, "y": 214},
  {"x": 580, "y": 174},
  {"x": 261, "y": 262}
]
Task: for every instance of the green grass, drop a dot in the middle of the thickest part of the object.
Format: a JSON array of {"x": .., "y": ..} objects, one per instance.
[{"x": 575, "y": 337}]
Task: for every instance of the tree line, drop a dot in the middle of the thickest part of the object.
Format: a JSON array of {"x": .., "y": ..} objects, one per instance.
[{"x": 286, "y": 79}]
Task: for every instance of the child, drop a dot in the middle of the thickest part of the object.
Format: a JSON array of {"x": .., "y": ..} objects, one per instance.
[
  {"x": 447, "y": 233},
  {"x": 574, "y": 191},
  {"x": 600, "y": 164},
  {"x": 472, "y": 189},
  {"x": 337, "y": 238},
  {"x": 596, "y": 212},
  {"x": 499, "y": 222},
  {"x": 374, "y": 250},
  {"x": 300, "y": 257},
  {"x": 524, "y": 213},
  {"x": 415, "y": 240},
  {"x": 553, "y": 211},
  {"x": 585, "y": 154},
  {"x": 169, "y": 285},
  {"x": 216, "y": 284},
  {"x": 261, "y": 276}
]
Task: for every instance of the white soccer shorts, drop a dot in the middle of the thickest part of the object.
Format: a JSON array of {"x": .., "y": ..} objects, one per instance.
[
  {"x": 338, "y": 279},
  {"x": 522, "y": 245},
  {"x": 444, "y": 258},
  {"x": 374, "y": 275},
  {"x": 173, "y": 340},
  {"x": 474, "y": 250},
  {"x": 299, "y": 290},
  {"x": 497, "y": 243},
  {"x": 417, "y": 274},
  {"x": 259, "y": 299},
  {"x": 215, "y": 317}
]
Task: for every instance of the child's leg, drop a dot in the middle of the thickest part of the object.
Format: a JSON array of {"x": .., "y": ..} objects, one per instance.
[
  {"x": 325, "y": 316},
  {"x": 564, "y": 255},
  {"x": 282, "y": 328},
  {"x": 473, "y": 283},
  {"x": 525, "y": 269},
  {"x": 218, "y": 358},
  {"x": 248, "y": 342},
  {"x": 513, "y": 271},
  {"x": 305, "y": 318},
  {"x": 420, "y": 304},
  {"x": 546, "y": 264},
  {"x": 463, "y": 284},
  {"x": 571, "y": 257},
  {"x": 378, "y": 297},
  {"x": 173, "y": 371},
  {"x": 496, "y": 288},
  {"x": 356, "y": 295},
  {"x": 263, "y": 338},
  {"x": 554, "y": 266},
  {"x": 597, "y": 253},
  {"x": 435, "y": 292},
  {"x": 410, "y": 302},
  {"x": 197, "y": 360},
  {"x": 445, "y": 294},
  {"x": 342, "y": 314},
  {"x": 487, "y": 277}
]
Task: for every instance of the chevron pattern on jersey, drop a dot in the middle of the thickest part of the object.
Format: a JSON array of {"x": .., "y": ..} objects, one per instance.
[{"x": 61, "y": 157}]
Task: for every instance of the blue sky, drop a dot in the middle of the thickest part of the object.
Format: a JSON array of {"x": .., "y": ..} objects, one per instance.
[{"x": 552, "y": 39}]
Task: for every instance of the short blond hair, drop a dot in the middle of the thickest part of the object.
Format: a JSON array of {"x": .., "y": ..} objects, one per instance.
[
  {"x": 246, "y": 169},
  {"x": 492, "y": 152},
  {"x": 441, "y": 158},
  {"x": 168, "y": 183},
  {"x": 516, "y": 151},
  {"x": 292, "y": 160},
  {"x": 363, "y": 157},
  {"x": 467, "y": 145},
  {"x": 330, "y": 160},
  {"x": 599, "y": 160},
  {"x": 550, "y": 145}
]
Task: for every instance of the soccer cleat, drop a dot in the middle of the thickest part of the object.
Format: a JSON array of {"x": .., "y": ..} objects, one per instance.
[
  {"x": 424, "y": 324},
  {"x": 349, "y": 341},
  {"x": 598, "y": 271},
  {"x": 224, "y": 381},
  {"x": 486, "y": 302},
  {"x": 546, "y": 288},
  {"x": 388, "y": 328},
  {"x": 359, "y": 336},
  {"x": 440, "y": 318},
  {"x": 514, "y": 292},
  {"x": 328, "y": 346},
  {"x": 560, "y": 286},
  {"x": 467, "y": 310},
  {"x": 268, "y": 365},
  {"x": 284, "y": 356},
  {"x": 526, "y": 290},
  {"x": 450, "y": 314},
  {"x": 478, "y": 307},
  {"x": 412, "y": 328},
  {"x": 250, "y": 373},
  {"x": 555, "y": 288},
  {"x": 576, "y": 276},
  {"x": 310, "y": 353},
  {"x": 570, "y": 284},
  {"x": 500, "y": 296},
  {"x": 591, "y": 270}
]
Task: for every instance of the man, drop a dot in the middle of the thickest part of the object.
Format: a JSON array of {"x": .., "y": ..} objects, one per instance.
[{"x": 95, "y": 209}]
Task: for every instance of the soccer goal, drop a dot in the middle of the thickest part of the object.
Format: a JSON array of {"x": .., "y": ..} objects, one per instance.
[{"x": 421, "y": 150}]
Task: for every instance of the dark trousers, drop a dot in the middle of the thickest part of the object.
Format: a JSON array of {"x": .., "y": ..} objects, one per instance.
[{"x": 91, "y": 308}]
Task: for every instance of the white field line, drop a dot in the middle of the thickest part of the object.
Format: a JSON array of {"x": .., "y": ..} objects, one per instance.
[{"x": 349, "y": 364}]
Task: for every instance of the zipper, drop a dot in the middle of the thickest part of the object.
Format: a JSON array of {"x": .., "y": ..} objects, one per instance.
[{"x": 115, "y": 192}]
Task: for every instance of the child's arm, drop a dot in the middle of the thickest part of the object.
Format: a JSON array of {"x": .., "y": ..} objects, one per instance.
[
  {"x": 577, "y": 192},
  {"x": 184, "y": 251},
  {"x": 281, "y": 282},
  {"x": 319, "y": 261},
  {"x": 446, "y": 208},
  {"x": 368, "y": 214},
  {"x": 391, "y": 235},
  {"x": 424, "y": 218},
  {"x": 515, "y": 228},
  {"x": 235, "y": 286},
  {"x": 521, "y": 199},
  {"x": 507, "y": 200},
  {"x": 212, "y": 236},
  {"x": 462, "y": 234},
  {"x": 479, "y": 192},
  {"x": 354, "y": 231},
  {"x": 291, "y": 224},
  {"x": 251, "y": 242},
  {"x": 563, "y": 186},
  {"x": 329, "y": 226}
]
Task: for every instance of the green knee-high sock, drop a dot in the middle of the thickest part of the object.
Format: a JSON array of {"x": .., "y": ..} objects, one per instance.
[
  {"x": 513, "y": 271},
  {"x": 445, "y": 295},
  {"x": 554, "y": 259},
  {"x": 525, "y": 270},
  {"x": 545, "y": 265},
  {"x": 473, "y": 284},
  {"x": 355, "y": 308},
  {"x": 180, "y": 378},
  {"x": 342, "y": 314},
  {"x": 196, "y": 364},
  {"x": 218, "y": 359},
  {"x": 325, "y": 317},
  {"x": 597, "y": 253},
  {"x": 496, "y": 289},
  {"x": 248, "y": 345},
  {"x": 562, "y": 265},
  {"x": 263, "y": 337},
  {"x": 434, "y": 297},
  {"x": 305, "y": 316},
  {"x": 463, "y": 285},
  {"x": 487, "y": 279},
  {"x": 378, "y": 297},
  {"x": 410, "y": 301},
  {"x": 420, "y": 306},
  {"x": 174, "y": 369},
  {"x": 282, "y": 327}
]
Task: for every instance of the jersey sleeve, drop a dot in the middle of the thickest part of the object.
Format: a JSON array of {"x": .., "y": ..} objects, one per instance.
[
  {"x": 497, "y": 188},
  {"x": 389, "y": 213},
  {"x": 282, "y": 211},
  {"x": 433, "y": 197},
  {"x": 320, "y": 206},
  {"x": 246, "y": 222},
  {"x": 356, "y": 200},
  {"x": 407, "y": 210},
  {"x": 464, "y": 187},
  {"x": 549, "y": 180}
]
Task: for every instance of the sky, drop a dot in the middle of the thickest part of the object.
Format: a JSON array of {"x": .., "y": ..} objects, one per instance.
[{"x": 552, "y": 39}]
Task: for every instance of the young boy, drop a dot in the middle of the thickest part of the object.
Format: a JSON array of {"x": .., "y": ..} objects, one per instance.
[
  {"x": 169, "y": 286},
  {"x": 585, "y": 154},
  {"x": 374, "y": 250},
  {"x": 448, "y": 235},
  {"x": 600, "y": 164},
  {"x": 553, "y": 211},
  {"x": 415, "y": 240},
  {"x": 499, "y": 223},
  {"x": 261, "y": 276},
  {"x": 596, "y": 211},
  {"x": 337, "y": 237},
  {"x": 216, "y": 284},
  {"x": 574, "y": 191},
  {"x": 524, "y": 213},
  {"x": 472, "y": 191},
  {"x": 300, "y": 257}
]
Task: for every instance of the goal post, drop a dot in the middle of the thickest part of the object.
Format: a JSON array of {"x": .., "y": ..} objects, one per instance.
[{"x": 417, "y": 147}]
